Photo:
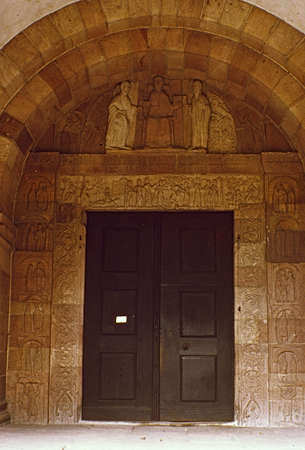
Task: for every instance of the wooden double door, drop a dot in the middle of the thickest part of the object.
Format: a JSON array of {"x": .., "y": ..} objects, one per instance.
[{"x": 158, "y": 336}]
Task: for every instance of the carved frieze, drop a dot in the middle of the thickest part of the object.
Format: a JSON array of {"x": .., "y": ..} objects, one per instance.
[{"x": 168, "y": 192}]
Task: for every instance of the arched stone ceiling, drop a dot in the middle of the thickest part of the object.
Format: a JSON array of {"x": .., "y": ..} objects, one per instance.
[
  {"x": 86, "y": 48},
  {"x": 16, "y": 15}
]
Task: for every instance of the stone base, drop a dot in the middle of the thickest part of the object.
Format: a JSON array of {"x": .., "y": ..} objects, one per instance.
[{"x": 5, "y": 416}]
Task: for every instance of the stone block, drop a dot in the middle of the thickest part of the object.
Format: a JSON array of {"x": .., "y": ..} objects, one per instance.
[
  {"x": 138, "y": 40},
  {"x": 23, "y": 53},
  {"x": 198, "y": 43},
  {"x": 98, "y": 75},
  {"x": 212, "y": 10},
  {"x": 246, "y": 59},
  {"x": 284, "y": 38},
  {"x": 157, "y": 62},
  {"x": 21, "y": 107},
  {"x": 259, "y": 23},
  {"x": 115, "y": 45},
  {"x": 68, "y": 22},
  {"x": 45, "y": 36},
  {"x": 175, "y": 40},
  {"x": 289, "y": 90},
  {"x": 91, "y": 53},
  {"x": 10, "y": 76},
  {"x": 276, "y": 109},
  {"x": 268, "y": 72},
  {"x": 93, "y": 17}
]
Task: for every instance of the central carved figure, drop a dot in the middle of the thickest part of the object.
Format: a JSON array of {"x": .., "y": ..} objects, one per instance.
[{"x": 158, "y": 111}]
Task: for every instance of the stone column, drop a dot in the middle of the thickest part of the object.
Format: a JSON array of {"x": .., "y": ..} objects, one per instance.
[{"x": 7, "y": 238}]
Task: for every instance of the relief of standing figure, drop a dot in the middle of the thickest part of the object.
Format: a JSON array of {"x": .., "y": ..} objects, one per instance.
[
  {"x": 121, "y": 120},
  {"x": 200, "y": 113}
]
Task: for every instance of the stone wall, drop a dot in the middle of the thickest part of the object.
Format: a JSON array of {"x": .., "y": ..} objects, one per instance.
[{"x": 265, "y": 192}]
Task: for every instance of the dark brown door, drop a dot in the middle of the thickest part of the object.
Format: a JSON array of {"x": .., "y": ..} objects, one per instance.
[
  {"x": 158, "y": 340},
  {"x": 196, "y": 317},
  {"x": 119, "y": 301}
]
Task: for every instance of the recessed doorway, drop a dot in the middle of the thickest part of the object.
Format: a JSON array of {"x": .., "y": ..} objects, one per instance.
[{"x": 158, "y": 335}]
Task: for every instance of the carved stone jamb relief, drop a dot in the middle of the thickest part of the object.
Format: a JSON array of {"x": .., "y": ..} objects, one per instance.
[
  {"x": 68, "y": 287},
  {"x": 31, "y": 298},
  {"x": 251, "y": 311},
  {"x": 286, "y": 306}
]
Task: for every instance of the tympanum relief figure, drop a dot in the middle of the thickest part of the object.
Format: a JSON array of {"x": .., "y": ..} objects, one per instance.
[
  {"x": 158, "y": 111},
  {"x": 199, "y": 112},
  {"x": 121, "y": 119},
  {"x": 169, "y": 117}
]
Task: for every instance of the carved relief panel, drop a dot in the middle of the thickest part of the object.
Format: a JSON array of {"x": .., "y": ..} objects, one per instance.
[
  {"x": 167, "y": 192},
  {"x": 284, "y": 219}
]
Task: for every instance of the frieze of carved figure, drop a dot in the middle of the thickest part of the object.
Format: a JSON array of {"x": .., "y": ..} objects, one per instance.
[
  {"x": 37, "y": 237},
  {"x": 222, "y": 135},
  {"x": 284, "y": 193},
  {"x": 287, "y": 367},
  {"x": 32, "y": 357},
  {"x": 252, "y": 132},
  {"x": 33, "y": 318},
  {"x": 35, "y": 279},
  {"x": 287, "y": 405},
  {"x": 35, "y": 199},
  {"x": 284, "y": 284},
  {"x": 287, "y": 327},
  {"x": 69, "y": 131},
  {"x": 251, "y": 414},
  {"x": 121, "y": 119},
  {"x": 32, "y": 391},
  {"x": 197, "y": 119},
  {"x": 285, "y": 239},
  {"x": 157, "y": 112}
]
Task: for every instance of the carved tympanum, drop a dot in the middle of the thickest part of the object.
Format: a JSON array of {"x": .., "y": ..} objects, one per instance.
[{"x": 205, "y": 120}]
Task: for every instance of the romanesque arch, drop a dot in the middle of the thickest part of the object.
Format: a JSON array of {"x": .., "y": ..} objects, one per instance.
[{"x": 57, "y": 79}]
